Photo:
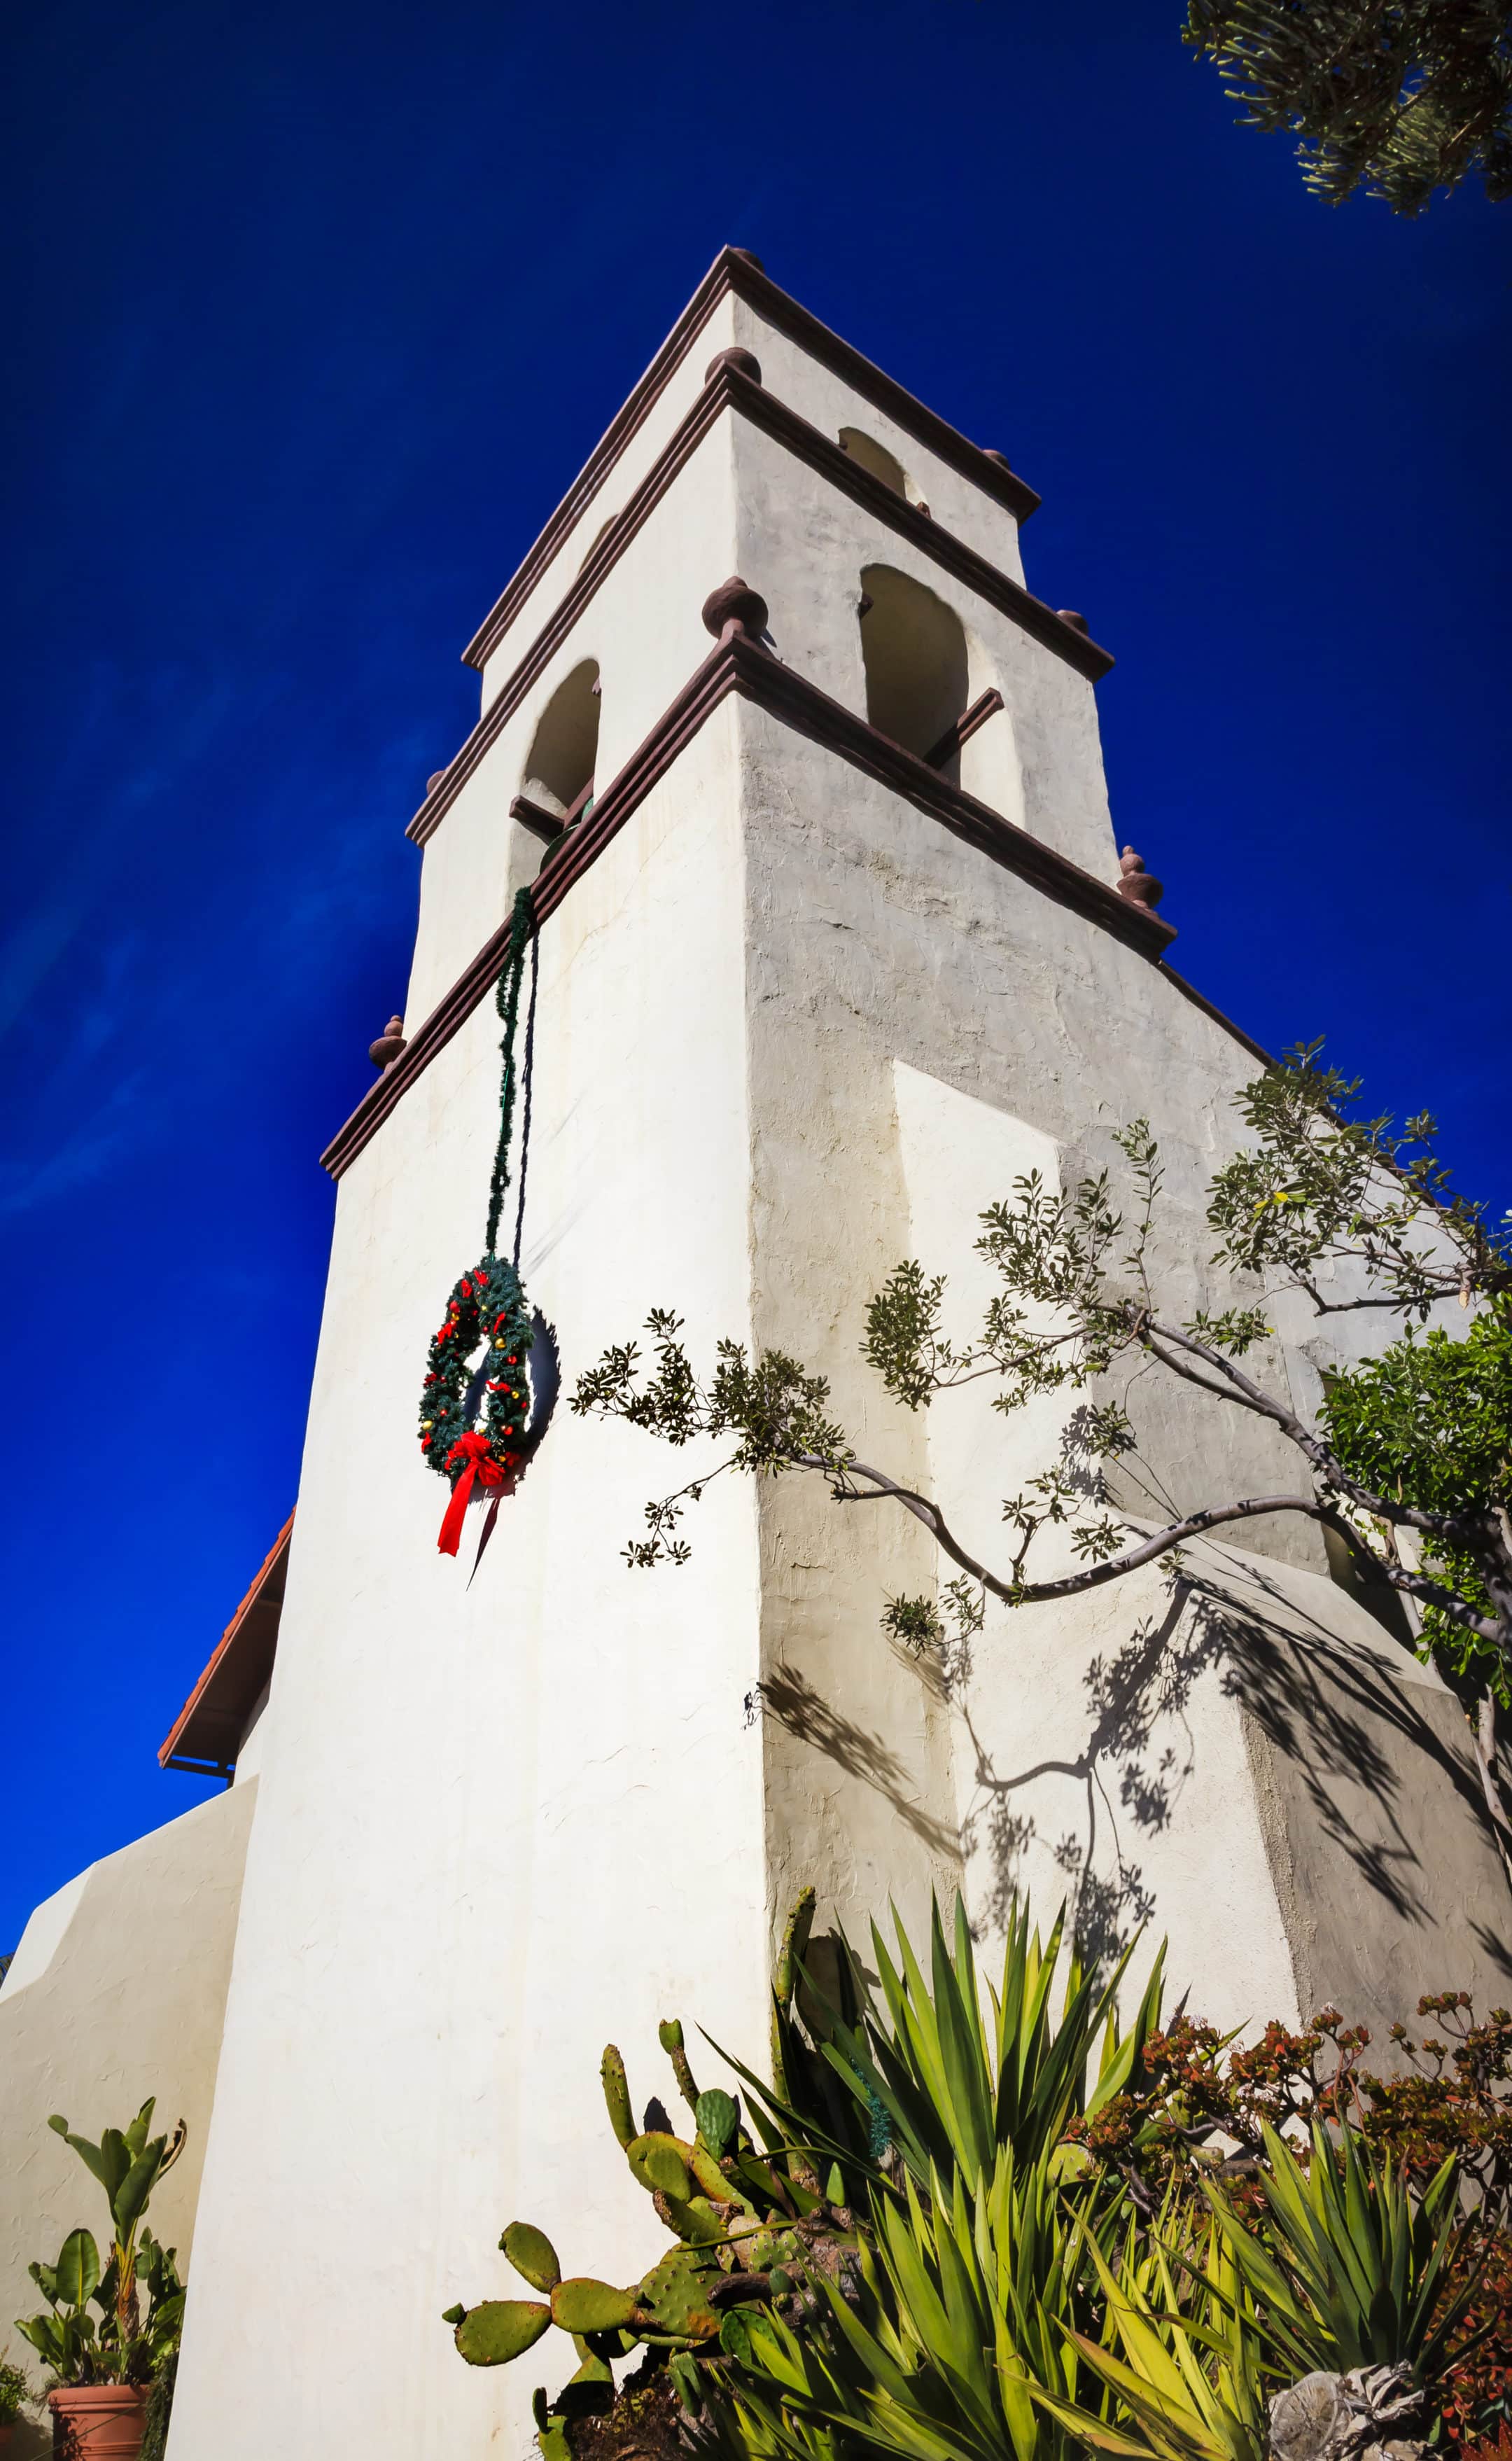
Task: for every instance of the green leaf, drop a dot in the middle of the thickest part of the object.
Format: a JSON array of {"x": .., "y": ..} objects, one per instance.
[
  {"x": 130, "y": 2199},
  {"x": 78, "y": 2269}
]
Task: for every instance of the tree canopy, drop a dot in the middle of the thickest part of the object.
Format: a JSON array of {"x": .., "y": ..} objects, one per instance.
[{"x": 1402, "y": 97}]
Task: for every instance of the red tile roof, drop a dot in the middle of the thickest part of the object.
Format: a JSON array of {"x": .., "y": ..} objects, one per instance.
[{"x": 207, "y": 1733}]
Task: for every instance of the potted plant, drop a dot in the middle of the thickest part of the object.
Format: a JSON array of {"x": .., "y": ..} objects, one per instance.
[
  {"x": 13, "y": 2391},
  {"x": 103, "y": 2363}
]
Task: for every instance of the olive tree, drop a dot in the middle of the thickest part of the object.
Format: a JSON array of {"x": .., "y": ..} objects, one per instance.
[{"x": 1407, "y": 1462}]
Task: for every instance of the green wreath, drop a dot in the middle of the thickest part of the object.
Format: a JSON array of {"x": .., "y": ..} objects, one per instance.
[{"x": 488, "y": 1305}]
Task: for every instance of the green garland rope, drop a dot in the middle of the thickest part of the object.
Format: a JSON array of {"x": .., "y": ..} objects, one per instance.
[
  {"x": 506, "y": 999},
  {"x": 488, "y": 1304}
]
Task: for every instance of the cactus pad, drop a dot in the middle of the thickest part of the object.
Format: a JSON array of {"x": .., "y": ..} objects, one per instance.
[
  {"x": 499, "y": 2330},
  {"x": 719, "y": 2116},
  {"x": 532, "y": 2254},
  {"x": 617, "y": 2094},
  {"x": 659, "y": 2160},
  {"x": 584, "y": 2305},
  {"x": 675, "y": 2299}
]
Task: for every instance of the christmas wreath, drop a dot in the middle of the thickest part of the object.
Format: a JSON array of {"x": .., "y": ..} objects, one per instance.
[
  {"x": 483, "y": 1418},
  {"x": 487, "y": 1306}
]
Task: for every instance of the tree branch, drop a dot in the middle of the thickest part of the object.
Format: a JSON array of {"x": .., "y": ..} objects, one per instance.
[{"x": 1250, "y": 1396}]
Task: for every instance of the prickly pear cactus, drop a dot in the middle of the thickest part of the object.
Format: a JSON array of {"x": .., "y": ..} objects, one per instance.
[
  {"x": 674, "y": 2297},
  {"x": 749, "y": 2224}
]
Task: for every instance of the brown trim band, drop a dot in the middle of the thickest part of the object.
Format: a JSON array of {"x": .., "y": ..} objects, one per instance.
[
  {"x": 729, "y": 388},
  {"x": 1199, "y": 999},
  {"x": 738, "y": 665},
  {"x": 731, "y": 271}
]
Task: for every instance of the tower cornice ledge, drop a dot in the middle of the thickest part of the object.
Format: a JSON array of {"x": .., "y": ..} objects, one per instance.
[
  {"x": 733, "y": 269},
  {"x": 729, "y": 388},
  {"x": 738, "y": 664}
]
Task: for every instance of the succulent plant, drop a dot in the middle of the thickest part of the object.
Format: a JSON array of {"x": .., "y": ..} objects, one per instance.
[{"x": 751, "y": 2223}]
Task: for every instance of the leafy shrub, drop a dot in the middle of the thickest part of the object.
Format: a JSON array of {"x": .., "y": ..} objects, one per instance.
[{"x": 13, "y": 2391}]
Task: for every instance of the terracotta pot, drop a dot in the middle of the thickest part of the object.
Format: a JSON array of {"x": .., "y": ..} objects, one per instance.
[{"x": 98, "y": 2422}]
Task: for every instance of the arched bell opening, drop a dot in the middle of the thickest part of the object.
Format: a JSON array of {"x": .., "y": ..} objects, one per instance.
[
  {"x": 914, "y": 652},
  {"x": 558, "y": 772},
  {"x": 876, "y": 457}
]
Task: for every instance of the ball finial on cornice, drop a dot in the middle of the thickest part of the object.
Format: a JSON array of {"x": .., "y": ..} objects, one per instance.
[
  {"x": 1139, "y": 887},
  {"x": 734, "y": 603},
  {"x": 390, "y": 1044},
  {"x": 745, "y": 363},
  {"x": 990, "y": 452},
  {"x": 749, "y": 256},
  {"x": 1077, "y": 622}
]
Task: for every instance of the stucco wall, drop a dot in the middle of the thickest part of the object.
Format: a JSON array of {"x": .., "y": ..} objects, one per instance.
[
  {"x": 499, "y": 1824},
  {"x": 117, "y": 1992}
]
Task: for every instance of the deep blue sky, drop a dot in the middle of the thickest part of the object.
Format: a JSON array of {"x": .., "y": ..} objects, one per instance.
[{"x": 314, "y": 311}]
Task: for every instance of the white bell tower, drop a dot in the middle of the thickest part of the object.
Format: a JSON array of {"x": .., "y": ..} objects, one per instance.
[{"x": 834, "y": 942}]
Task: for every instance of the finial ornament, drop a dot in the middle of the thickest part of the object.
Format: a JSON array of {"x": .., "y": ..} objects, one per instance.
[
  {"x": 1078, "y": 623},
  {"x": 390, "y": 1045},
  {"x": 434, "y": 781},
  {"x": 1139, "y": 887},
  {"x": 735, "y": 605},
  {"x": 745, "y": 363}
]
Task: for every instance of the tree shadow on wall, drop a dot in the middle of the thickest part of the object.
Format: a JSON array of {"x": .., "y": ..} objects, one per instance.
[
  {"x": 861, "y": 1752},
  {"x": 1326, "y": 1709}
]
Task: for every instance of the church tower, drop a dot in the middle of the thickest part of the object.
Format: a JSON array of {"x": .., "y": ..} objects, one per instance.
[{"x": 834, "y": 943}]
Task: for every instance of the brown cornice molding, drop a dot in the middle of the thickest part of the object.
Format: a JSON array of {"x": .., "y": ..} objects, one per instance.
[
  {"x": 1199, "y": 999},
  {"x": 738, "y": 665},
  {"x": 731, "y": 271},
  {"x": 727, "y": 389},
  {"x": 986, "y": 469},
  {"x": 605, "y": 553}
]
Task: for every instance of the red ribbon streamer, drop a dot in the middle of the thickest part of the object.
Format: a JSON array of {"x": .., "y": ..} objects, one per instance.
[{"x": 478, "y": 1462}]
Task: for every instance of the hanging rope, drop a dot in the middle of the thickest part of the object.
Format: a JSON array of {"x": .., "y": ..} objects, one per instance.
[
  {"x": 522, "y": 935},
  {"x": 529, "y": 1071}
]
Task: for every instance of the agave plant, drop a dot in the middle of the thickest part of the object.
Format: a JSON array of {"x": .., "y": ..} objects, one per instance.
[
  {"x": 966, "y": 2309},
  {"x": 953, "y": 2083},
  {"x": 1180, "y": 2361},
  {"x": 1351, "y": 2269},
  {"x": 1347, "y": 2274}
]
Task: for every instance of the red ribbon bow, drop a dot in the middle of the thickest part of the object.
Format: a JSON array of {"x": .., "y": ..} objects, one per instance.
[{"x": 475, "y": 1455}]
